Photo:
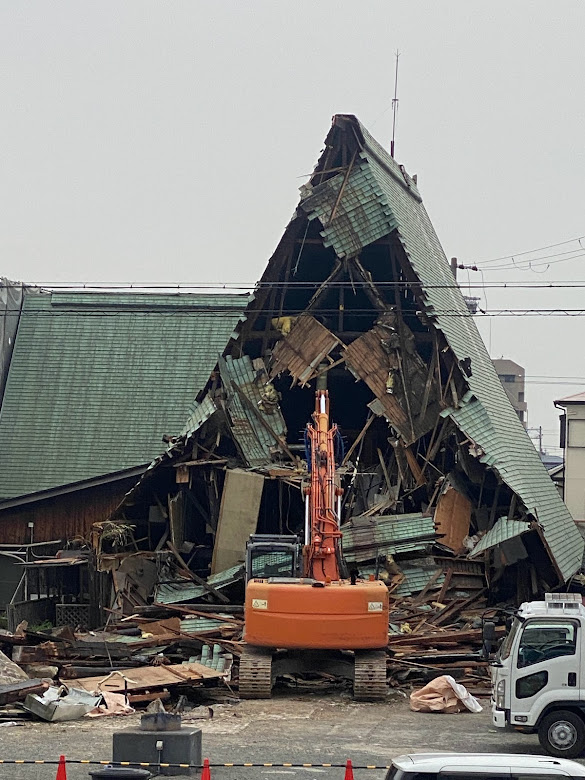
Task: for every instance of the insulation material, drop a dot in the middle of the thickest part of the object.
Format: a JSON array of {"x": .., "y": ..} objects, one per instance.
[
  {"x": 238, "y": 517},
  {"x": 307, "y": 345},
  {"x": 452, "y": 518}
]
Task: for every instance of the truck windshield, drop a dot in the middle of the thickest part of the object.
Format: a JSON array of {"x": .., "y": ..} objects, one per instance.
[{"x": 506, "y": 645}]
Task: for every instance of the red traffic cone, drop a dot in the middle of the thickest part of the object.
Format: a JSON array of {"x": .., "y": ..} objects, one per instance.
[
  {"x": 348, "y": 770},
  {"x": 61, "y": 769},
  {"x": 205, "y": 772}
]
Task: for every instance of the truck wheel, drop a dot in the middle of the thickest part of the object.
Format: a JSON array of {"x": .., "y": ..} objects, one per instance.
[{"x": 562, "y": 734}]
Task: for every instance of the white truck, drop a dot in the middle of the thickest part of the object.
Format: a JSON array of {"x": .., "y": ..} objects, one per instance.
[{"x": 538, "y": 673}]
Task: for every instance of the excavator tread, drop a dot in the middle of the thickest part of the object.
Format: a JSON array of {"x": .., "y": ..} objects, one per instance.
[
  {"x": 369, "y": 682},
  {"x": 255, "y": 673}
]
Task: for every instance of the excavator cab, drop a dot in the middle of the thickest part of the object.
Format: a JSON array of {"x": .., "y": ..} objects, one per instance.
[{"x": 273, "y": 555}]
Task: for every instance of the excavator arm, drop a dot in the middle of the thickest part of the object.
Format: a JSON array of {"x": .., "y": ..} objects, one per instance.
[{"x": 322, "y": 497}]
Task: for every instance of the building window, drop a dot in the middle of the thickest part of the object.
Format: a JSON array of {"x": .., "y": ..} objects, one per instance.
[
  {"x": 576, "y": 433},
  {"x": 508, "y": 377}
]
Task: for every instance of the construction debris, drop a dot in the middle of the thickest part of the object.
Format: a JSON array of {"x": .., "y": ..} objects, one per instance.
[{"x": 444, "y": 497}]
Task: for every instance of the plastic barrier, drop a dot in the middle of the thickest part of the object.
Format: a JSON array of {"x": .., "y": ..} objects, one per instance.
[{"x": 62, "y": 762}]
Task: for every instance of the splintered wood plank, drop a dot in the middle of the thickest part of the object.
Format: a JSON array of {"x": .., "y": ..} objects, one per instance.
[
  {"x": 302, "y": 351},
  {"x": 146, "y": 677},
  {"x": 452, "y": 518},
  {"x": 367, "y": 358}
]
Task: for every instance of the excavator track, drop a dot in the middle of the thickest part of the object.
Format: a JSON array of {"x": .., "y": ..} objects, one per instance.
[
  {"x": 369, "y": 682},
  {"x": 255, "y": 673}
]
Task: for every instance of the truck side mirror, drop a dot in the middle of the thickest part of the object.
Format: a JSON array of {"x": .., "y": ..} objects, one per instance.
[{"x": 489, "y": 637}]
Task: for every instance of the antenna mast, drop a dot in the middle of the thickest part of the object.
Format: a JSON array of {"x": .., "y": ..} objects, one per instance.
[{"x": 394, "y": 105}]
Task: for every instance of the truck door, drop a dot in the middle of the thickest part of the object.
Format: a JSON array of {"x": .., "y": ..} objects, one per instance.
[{"x": 546, "y": 667}]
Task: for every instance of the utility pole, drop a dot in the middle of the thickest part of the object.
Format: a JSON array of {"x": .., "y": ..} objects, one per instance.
[{"x": 394, "y": 106}]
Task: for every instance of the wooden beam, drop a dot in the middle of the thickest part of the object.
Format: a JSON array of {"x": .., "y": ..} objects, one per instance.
[
  {"x": 341, "y": 189},
  {"x": 195, "y": 577},
  {"x": 360, "y": 436}
]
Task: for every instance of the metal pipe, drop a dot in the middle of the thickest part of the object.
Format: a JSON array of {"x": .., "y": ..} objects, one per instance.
[{"x": 307, "y": 538}]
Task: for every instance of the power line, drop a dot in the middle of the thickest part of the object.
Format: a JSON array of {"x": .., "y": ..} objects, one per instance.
[
  {"x": 225, "y": 311},
  {"x": 532, "y": 251},
  {"x": 245, "y": 288}
]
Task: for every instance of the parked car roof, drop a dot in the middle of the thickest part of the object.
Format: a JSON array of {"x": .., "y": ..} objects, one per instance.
[{"x": 460, "y": 762}]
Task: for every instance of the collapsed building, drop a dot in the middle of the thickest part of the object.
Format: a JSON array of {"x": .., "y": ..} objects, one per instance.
[{"x": 443, "y": 487}]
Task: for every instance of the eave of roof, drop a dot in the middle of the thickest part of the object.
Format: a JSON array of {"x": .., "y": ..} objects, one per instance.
[{"x": 578, "y": 398}]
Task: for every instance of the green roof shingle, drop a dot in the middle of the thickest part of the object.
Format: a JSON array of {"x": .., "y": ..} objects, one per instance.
[{"x": 97, "y": 379}]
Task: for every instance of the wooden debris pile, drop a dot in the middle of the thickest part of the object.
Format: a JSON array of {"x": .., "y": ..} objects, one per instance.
[
  {"x": 144, "y": 658},
  {"x": 431, "y": 635}
]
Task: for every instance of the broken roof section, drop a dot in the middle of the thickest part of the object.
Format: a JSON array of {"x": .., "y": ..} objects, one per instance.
[
  {"x": 97, "y": 379},
  {"x": 378, "y": 197},
  {"x": 359, "y": 197}
]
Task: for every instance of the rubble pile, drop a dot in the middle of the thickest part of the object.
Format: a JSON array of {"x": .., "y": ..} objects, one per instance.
[{"x": 197, "y": 645}]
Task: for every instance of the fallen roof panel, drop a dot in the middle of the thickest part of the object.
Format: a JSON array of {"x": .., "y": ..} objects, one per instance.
[{"x": 502, "y": 530}]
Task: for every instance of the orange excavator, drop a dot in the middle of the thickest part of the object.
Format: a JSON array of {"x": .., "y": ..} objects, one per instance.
[{"x": 317, "y": 622}]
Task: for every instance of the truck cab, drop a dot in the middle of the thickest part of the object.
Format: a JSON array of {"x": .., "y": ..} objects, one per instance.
[{"x": 538, "y": 674}]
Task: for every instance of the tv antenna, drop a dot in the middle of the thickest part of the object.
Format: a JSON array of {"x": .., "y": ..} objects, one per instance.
[{"x": 394, "y": 105}]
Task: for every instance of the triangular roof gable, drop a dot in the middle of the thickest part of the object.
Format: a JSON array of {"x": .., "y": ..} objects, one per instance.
[{"x": 358, "y": 195}]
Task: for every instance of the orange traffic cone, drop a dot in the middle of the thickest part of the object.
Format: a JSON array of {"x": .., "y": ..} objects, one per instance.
[
  {"x": 205, "y": 772},
  {"x": 61, "y": 769},
  {"x": 348, "y": 770}
]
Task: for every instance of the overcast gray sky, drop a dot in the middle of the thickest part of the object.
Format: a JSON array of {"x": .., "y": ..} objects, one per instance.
[{"x": 165, "y": 141}]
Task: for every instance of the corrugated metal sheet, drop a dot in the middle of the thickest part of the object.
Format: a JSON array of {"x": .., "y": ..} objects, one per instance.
[
  {"x": 197, "y": 625},
  {"x": 182, "y": 592},
  {"x": 97, "y": 379},
  {"x": 305, "y": 347},
  {"x": 502, "y": 530},
  {"x": 380, "y": 198},
  {"x": 365, "y": 538},
  {"x": 254, "y": 440},
  {"x": 416, "y": 578}
]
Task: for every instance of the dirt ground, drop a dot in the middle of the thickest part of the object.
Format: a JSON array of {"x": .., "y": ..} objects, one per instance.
[{"x": 293, "y": 728}]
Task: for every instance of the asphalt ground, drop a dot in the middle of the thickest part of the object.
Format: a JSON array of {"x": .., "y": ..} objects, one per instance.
[{"x": 289, "y": 728}]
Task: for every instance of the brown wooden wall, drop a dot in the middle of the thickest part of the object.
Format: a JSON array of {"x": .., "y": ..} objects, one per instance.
[{"x": 62, "y": 517}]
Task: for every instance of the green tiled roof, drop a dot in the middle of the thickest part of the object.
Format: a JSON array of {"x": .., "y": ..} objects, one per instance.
[
  {"x": 379, "y": 197},
  {"x": 502, "y": 530},
  {"x": 366, "y": 538},
  {"x": 97, "y": 379}
]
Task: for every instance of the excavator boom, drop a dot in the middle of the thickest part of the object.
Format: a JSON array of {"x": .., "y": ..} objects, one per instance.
[{"x": 323, "y": 497}]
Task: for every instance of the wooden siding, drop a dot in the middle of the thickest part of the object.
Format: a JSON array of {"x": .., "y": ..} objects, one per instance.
[{"x": 62, "y": 517}]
